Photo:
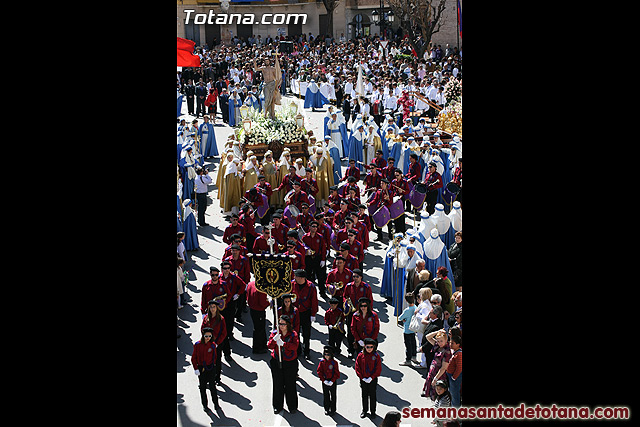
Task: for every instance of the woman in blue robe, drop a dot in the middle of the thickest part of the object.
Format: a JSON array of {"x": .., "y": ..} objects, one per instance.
[
  {"x": 208, "y": 139},
  {"x": 355, "y": 147},
  {"x": 387, "y": 286},
  {"x": 189, "y": 224},
  {"x": 436, "y": 255},
  {"x": 335, "y": 156},
  {"x": 313, "y": 98},
  {"x": 235, "y": 102},
  {"x": 343, "y": 132},
  {"x": 187, "y": 170}
]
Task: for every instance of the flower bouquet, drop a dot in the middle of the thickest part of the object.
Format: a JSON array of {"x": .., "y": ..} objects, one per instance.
[{"x": 264, "y": 130}]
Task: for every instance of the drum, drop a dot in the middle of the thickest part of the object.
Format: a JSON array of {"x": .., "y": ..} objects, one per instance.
[
  {"x": 396, "y": 208},
  {"x": 291, "y": 212},
  {"x": 262, "y": 210},
  {"x": 381, "y": 217},
  {"x": 405, "y": 196},
  {"x": 418, "y": 194},
  {"x": 450, "y": 193}
]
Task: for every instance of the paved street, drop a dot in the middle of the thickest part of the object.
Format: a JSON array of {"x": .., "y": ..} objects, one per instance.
[{"x": 245, "y": 393}]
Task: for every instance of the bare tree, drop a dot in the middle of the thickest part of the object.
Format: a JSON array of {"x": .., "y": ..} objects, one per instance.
[
  {"x": 330, "y": 5},
  {"x": 420, "y": 19}
]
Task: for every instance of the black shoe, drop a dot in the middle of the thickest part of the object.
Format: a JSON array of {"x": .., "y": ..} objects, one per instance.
[
  {"x": 293, "y": 411},
  {"x": 363, "y": 414},
  {"x": 327, "y": 412},
  {"x": 275, "y": 411},
  {"x": 307, "y": 356},
  {"x": 373, "y": 415}
]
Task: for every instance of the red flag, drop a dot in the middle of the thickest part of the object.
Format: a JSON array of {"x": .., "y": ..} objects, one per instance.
[{"x": 186, "y": 58}]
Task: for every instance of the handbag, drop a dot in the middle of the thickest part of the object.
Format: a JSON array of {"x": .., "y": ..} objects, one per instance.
[{"x": 416, "y": 325}]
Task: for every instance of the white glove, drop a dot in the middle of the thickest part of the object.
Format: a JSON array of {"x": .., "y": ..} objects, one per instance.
[
  {"x": 329, "y": 383},
  {"x": 313, "y": 319},
  {"x": 236, "y": 296},
  {"x": 367, "y": 380},
  {"x": 361, "y": 343},
  {"x": 279, "y": 341},
  {"x": 322, "y": 263},
  {"x": 277, "y": 336},
  {"x": 197, "y": 372}
]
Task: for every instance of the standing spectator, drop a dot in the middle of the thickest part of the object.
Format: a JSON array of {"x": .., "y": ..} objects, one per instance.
[
  {"x": 190, "y": 91},
  {"x": 201, "y": 184},
  {"x": 180, "y": 283},
  {"x": 409, "y": 335},
  {"x": 201, "y": 94},
  {"x": 455, "y": 258},
  {"x": 454, "y": 370},
  {"x": 440, "y": 362},
  {"x": 443, "y": 400}
]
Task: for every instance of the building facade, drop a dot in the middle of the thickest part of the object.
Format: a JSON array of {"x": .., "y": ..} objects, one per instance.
[{"x": 206, "y": 21}]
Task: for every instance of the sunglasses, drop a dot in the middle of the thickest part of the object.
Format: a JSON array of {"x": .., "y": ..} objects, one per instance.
[
  {"x": 282, "y": 324},
  {"x": 368, "y": 346},
  {"x": 207, "y": 336}
]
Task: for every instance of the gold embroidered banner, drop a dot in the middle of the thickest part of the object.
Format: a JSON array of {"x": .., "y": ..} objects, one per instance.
[{"x": 272, "y": 273}]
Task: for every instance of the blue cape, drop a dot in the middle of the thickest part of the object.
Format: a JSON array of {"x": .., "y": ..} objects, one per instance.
[
  {"x": 212, "y": 146},
  {"x": 315, "y": 100}
]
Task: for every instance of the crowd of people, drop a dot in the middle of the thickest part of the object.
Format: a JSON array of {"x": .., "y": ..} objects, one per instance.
[{"x": 383, "y": 123}]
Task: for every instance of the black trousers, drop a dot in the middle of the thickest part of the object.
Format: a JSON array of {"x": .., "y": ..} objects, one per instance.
[
  {"x": 201, "y": 200},
  {"x": 305, "y": 326},
  {"x": 431, "y": 199},
  {"x": 369, "y": 395},
  {"x": 229, "y": 318},
  {"x": 190, "y": 104},
  {"x": 400, "y": 224},
  {"x": 329, "y": 394},
  {"x": 350, "y": 338},
  {"x": 259, "y": 319},
  {"x": 315, "y": 273},
  {"x": 206, "y": 380},
  {"x": 284, "y": 383},
  {"x": 335, "y": 338},
  {"x": 200, "y": 108}
]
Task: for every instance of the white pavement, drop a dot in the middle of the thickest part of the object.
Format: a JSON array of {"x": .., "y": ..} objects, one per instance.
[{"x": 245, "y": 393}]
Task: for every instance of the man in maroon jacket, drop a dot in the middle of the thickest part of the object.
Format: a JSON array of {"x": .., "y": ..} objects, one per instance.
[
  {"x": 258, "y": 303},
  {"x": 307, "y": 304}
]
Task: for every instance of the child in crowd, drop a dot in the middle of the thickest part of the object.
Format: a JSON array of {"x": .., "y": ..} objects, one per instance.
[{"x": 409, "y": 335}]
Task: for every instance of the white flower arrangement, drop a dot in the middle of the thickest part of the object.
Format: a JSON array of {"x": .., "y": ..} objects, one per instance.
[{"x": 283, "y": 129}]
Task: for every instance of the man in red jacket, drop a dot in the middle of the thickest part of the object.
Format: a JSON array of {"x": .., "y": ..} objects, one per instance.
[
  {"x": 307, "y": 304},
  {"x": 258, "y": 303},
  {"x": 368, "y": 369}
]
